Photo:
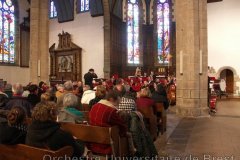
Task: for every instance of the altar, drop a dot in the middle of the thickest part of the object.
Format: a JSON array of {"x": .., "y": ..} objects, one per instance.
[{"x": 65, "y": 60}]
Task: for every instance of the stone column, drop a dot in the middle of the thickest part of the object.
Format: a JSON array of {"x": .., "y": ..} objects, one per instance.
[
  {"x": 107, "y": 38},
  {"x": 191, "y": 30},
  {"x": 39, "y": 41}
]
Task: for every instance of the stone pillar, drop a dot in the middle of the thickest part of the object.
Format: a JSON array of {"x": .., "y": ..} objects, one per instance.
[
  {"x": 107, "y": 38},
  {"x": 39, "y": 41},
  {"x": 191, "y": 30}
]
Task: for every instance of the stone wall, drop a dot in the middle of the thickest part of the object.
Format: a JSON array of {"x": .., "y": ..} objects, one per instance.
[
  {"x": 88, "y": 33},
  {"x": 224, "y": 36}
]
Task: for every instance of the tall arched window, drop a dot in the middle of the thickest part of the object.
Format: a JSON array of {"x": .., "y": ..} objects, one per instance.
[
  {"x": 52, "y": 10},
  {"x": 7, "y": 32},
  {"x": 163, "y": 31},
  {"x": 133, "y": 54},
  {"x": 84, "y": 5}
]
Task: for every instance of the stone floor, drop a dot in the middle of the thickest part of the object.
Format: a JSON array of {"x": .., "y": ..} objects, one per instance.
[{"x": 213, "y": 138}]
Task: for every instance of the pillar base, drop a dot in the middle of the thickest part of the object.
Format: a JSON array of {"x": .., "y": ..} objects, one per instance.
[{"x": 192, "y": 112}]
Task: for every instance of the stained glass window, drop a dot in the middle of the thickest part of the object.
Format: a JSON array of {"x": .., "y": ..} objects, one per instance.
[
  {"x": 52, "y": 10},
  {"x": 84, "y": 5},
  {"x": 133, "y": 55},
  {"x": 163, "y": 31},
  {"x": 7, "y": 32}
]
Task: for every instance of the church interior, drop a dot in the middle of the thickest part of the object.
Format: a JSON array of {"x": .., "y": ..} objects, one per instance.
[{"x": 116, "y": 79}]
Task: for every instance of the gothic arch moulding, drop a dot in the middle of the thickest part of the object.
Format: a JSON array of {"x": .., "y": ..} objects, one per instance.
[{"x": 142, "y": 11}]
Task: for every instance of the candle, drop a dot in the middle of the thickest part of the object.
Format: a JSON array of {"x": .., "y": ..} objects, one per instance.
[
  {"x": 39, "y": 68},
  {"x": 181, "y": 62},
  {"x": 201, "y": 62}
]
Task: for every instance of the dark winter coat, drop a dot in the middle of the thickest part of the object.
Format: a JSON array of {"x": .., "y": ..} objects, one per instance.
[
  {"x": 20, "y": 102},
  {"x": 12, "y": 134},
  {"x": 49, "y": 135}
]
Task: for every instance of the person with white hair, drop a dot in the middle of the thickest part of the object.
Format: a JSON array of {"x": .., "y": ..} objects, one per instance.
[
  {"x": 69, "y": 112},
  {"x": 88, "y": 94},
  {"x": 19, "y": 100},
  {"x": 68, "y": 88}
]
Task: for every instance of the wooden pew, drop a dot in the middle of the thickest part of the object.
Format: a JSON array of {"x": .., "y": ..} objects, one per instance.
[
  {"x": 161, "y": 116},
  {"x": 24, "y": 152},
  {"x": 150, "y": 119},
  {"x": 95, "y": 134},
  {"x": 85, "y": 118}
]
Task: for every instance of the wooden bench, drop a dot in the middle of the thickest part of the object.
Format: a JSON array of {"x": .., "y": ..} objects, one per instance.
[
  {"x": 102, "y": 135},
  {"x": 150, "y": 119},
  {"x": 161, "y": 116},
  {"x": 85, "y": 118},
  {"x": 24, "y": 152}
]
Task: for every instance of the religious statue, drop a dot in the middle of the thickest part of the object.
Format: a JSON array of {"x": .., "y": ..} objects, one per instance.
[{"x": 65, "y": 63}]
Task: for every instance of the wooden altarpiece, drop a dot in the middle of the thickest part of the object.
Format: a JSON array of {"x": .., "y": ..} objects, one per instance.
[{"x": 65, "y": 60}]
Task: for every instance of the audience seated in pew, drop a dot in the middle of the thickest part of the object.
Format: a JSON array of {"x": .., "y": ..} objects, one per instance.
[
  {"x": 127, "y": 101},
  {"x": 46, "y": 97},
  {"x": 68, "y": 88},
  {"x": 42, "y": 88},
  {"x": 69, "y": 112},
  {"x": 45, "y": 132},
  {"x": 14, "y": 130},
  {"x": 160, "y": 95},
  {"x": 60, "y": 91},
  {"x": 146, "y": 106},
  {"x": 77, "y": 90},
  {"x": 104, "y": 114},
  {"x": 88, "y": 94},
  {"x": 100, "y": 94},
  {"x": 18, "y": 100},
  {"x": 33, "y": 97},
  {"x": 145, "y": 99}
]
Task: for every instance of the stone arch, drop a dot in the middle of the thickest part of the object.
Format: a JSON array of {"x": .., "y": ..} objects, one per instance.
[
  {"x": 235, "y": 76},
  {"x": 224, "y": 68}
]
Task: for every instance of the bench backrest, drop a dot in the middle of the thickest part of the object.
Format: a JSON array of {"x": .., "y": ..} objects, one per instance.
[
  {"x": 95, "y": 134},
  {"x": 146, "y": 111},
  {"x": 85, "y": 118},
  {"x": 24, "y": 152},
  {"x": 159, "y": 107}
]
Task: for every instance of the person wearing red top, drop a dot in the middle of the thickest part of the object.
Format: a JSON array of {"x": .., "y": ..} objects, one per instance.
[
  {"x": 104, "y": 114},
  {"x": 144, "y": 100}
]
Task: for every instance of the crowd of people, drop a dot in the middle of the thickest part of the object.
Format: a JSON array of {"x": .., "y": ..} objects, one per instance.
[{"x": 113, "y": 102}]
